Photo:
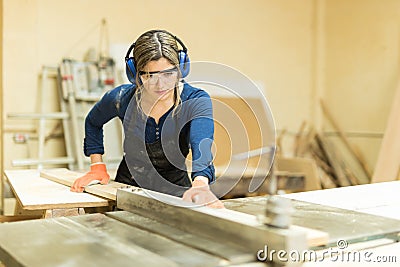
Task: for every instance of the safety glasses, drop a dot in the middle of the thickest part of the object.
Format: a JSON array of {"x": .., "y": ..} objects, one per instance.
[{"x": 166, "y": 76}]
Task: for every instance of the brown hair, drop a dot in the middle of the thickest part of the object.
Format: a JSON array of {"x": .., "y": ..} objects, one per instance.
[{"x": 153, "y": 45}]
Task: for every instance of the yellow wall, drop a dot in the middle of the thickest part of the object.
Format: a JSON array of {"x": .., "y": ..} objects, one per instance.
[
  {"x": 267, "y": 40},
  {"x": 362, "y": 66},
  {"x": 342, "y": 50}
]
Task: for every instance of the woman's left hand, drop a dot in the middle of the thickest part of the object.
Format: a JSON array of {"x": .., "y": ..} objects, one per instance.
[{"x": 201, "y": 194}]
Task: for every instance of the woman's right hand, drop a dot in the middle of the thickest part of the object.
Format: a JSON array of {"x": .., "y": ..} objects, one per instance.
[
  {"x": 98, "y": 171},
  {"x": 201, "y": 194}
]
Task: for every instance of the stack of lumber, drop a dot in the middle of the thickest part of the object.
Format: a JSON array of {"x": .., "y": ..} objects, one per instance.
[
  {"x": 339, "y": 162},
  {"x": 333, "y": 170}
]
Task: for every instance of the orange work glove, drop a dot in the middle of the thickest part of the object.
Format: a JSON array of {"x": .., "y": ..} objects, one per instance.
[
  {"x": 98, "y": 171},
  {"x": 201, "y": 194}
]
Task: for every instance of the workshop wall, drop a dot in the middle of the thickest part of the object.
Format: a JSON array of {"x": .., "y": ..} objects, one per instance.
[
  {"x": 344, "y": 51},
  {"x": 362, "y": 68},
  {"x": 268, "y": 41}
]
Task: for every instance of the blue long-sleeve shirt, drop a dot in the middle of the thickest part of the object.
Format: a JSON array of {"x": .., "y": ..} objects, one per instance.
[{"x": 197, "y": 134}]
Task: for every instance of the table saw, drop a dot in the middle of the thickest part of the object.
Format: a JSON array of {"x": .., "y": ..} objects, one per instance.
[{"x": 153, "y": 229}]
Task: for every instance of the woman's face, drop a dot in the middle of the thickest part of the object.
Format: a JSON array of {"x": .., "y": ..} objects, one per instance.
[{"x": 159, "y": 78}]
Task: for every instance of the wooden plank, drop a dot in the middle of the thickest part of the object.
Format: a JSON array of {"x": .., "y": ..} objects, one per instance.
[
  {"x": 325, "y": 171},
  {"x": 388, "y": 163},
  {"x": 36, "y": 193},
  {"x": 334, "y": 161},
  {"x": 353, "y": 149},
  {"x": 67, "y": 177},
  {"x": 4, "y": 218}
]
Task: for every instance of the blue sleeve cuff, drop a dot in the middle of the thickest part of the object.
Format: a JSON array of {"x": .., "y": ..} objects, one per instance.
[{"x": 208, "y": 172}]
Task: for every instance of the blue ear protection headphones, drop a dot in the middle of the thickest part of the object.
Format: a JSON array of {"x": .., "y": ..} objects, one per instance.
[{"x": 184, "y": 61}]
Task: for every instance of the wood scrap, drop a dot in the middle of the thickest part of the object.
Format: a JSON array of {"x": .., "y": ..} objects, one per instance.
[
  {"x": 326, "y": 180},
  {"x": 306, "y": 145},
  {"x": 308, "y": 138},
  {"x": 335, "y": 166},
  {"x": 348, "y": 162},
  {"x": 350, "y": 175},
  {"x": 353, "y": 149},
  {"x": 303, "y": 140},
  {"x": 327, "y": 174},
  {"x": 333, "y": 160},
  {"x": 322, "y": 162}
]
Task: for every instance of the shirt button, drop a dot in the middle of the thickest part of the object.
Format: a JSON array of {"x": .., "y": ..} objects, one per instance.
[{"x": 157, "y": 133}]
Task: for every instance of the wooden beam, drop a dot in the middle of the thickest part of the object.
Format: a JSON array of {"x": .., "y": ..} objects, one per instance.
[
  {"x": 388, "y": 163},
  {"x": 67, "y": 177}
]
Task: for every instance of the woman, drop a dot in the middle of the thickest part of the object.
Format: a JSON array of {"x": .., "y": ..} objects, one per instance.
[{"x": 163, "y": 118}]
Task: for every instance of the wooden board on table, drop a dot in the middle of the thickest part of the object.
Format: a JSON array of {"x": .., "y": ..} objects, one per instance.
[
  {"x": 67, "y": 177},
  {"x": 36, "y": 193}
]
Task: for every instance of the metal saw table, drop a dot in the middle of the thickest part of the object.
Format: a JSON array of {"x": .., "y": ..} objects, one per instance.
[{"x": 151, "y": 230}]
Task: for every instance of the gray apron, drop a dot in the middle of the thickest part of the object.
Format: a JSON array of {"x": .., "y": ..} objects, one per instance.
[{"x": 147, "y": 165}]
